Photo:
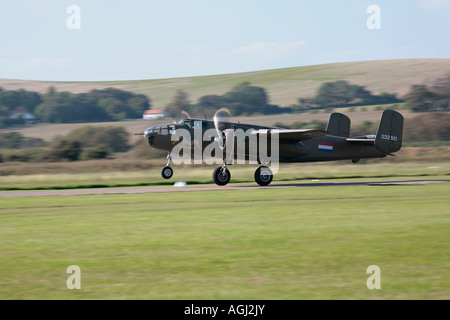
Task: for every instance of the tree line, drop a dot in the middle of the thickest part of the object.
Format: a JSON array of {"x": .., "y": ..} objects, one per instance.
[
  {"x": 420, "y": 98},
  {"x": 432, "y": 97},
  {"x": 242, "y": 99},
  {"x": 247, "y": 99},
  {"x": 112, "y": 104},
  {"x": 108, "y": 104},
  {"x": 342, "y": 93}
]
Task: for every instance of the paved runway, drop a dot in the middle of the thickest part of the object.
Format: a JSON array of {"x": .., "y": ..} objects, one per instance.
[{"x": 136, "y": 190}]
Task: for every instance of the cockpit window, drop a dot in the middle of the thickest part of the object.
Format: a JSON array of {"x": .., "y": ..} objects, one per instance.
[
  {"x": 186, "y": 122},
  {"x": 197, "y": 124},
  {"x": 164, "y": 130}
]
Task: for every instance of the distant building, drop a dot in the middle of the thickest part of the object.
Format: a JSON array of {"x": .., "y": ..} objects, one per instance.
[
  {"x": 22, "y": 113},
  {"x": 153, "y": 114}
]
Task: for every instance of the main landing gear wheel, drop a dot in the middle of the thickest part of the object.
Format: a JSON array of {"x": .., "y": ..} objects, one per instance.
[
  {"x": 263, "y": 176},
  {"x": 221, "y": 176},
  {"x": 167, "y": 172}
]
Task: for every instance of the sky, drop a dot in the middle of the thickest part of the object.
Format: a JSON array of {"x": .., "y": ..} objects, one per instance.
[{"x": 144, "y": 39}]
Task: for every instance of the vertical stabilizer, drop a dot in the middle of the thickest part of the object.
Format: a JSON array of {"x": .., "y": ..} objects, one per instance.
[
  {"x": 339, "y": 125},
  {"x": 390, "y": 132}
]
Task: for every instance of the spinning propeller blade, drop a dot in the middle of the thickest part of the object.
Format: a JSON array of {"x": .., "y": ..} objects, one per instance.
[
  {"x": 185, "y": 113},
  {"x": 221, "y": 136}
]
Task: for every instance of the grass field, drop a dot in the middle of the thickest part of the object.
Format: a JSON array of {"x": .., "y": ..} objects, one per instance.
[
  {"x": 91, "y": 174},
  {"x": 307, "y": 243},
  {"x": 259, "y": 243}
]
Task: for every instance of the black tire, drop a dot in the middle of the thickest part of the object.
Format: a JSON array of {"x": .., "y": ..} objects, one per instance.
[
  {"x": 263, "y": 176},
  {"x": 221, "y": 177},
  {"x": 167, "y": 172}
]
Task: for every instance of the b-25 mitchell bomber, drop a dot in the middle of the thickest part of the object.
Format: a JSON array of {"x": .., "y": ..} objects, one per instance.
[{"x": 228, "y": 141}]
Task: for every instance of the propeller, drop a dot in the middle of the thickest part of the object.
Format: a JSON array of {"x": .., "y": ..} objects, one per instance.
[
  {"x": 188, "y": 116},
  {"x": 221, "y": 136},
  {"x": 225, "y": 138},
  {"x": 185, "y": 113}
]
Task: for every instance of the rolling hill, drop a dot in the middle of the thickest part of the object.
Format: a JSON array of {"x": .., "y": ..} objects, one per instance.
[{"x": 284, "y": 86}]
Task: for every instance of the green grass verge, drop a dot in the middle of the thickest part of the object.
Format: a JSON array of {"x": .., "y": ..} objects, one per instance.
[
  {"x": 437, "y": 143},
  {"x": 240, "y": 174},
  {"x": 307, "y": 243}
]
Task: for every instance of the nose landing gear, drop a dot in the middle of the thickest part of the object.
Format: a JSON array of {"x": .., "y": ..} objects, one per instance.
[{"x": 167, "y": 171}]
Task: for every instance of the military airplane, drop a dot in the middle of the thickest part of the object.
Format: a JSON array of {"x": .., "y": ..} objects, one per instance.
[{"x": 294, "y": 145}]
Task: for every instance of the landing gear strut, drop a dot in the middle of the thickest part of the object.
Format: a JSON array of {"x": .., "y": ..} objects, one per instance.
[
  {"x": 167, "y": 171},
  {"x": 263, "y": 176}
]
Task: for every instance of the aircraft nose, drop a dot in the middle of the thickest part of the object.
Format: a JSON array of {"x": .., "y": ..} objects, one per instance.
[{"x": 149, "y": 134}]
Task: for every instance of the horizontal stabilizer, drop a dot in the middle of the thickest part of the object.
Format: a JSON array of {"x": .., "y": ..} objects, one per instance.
[
  {"x": 293, "y": 134},
  {"x": 368, "y": 140},
  {"x": 361, "y": 141}
]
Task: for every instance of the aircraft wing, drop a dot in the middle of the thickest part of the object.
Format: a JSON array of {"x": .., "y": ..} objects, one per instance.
[{"x": 293, "y": 134}]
